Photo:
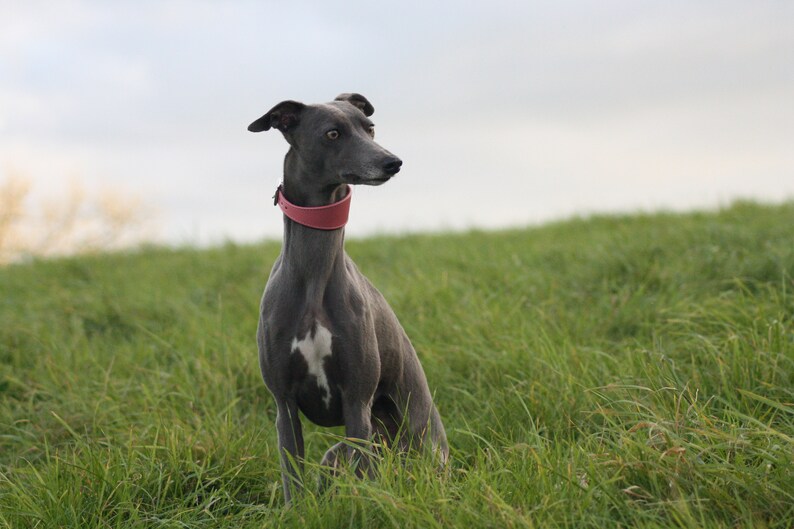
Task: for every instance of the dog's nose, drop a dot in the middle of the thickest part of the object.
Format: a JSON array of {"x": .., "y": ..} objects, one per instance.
[{"x": 392, "y": 165}]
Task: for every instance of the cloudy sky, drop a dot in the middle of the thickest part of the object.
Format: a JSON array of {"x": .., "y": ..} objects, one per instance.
[{"x": 504, "y": 113}]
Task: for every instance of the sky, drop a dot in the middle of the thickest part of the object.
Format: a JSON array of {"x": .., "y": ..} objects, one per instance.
[{"x": 504, "y": 113}]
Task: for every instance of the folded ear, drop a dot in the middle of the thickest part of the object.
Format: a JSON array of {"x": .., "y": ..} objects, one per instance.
[
  {"x": 283, "y": 117},
  {"x": 358, "y": 101}
]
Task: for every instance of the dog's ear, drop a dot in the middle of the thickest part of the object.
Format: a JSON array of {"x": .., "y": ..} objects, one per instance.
[
  {"x": 283, "y": 117},
  {"x": 358, "y": 101}
]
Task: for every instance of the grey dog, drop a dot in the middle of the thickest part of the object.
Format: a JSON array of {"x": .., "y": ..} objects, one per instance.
[{"x": 329, "y": 344}]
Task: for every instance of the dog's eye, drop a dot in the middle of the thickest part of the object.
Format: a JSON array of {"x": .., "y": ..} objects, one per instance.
[
  {"x": 332, "y": 134},
  {"x": 371, "y": 130}
]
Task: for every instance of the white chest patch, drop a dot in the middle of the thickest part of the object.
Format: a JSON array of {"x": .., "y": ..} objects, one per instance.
[{"x": 314, "y": 350}]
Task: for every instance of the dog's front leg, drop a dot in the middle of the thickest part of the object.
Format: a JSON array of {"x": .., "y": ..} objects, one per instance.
[
  {"x": 290, "y": 446},
  {"x": 358, "y": 430}
]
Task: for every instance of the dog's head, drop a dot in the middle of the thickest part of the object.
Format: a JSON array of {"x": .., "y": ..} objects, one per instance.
[{"x": 331, "y": 143}]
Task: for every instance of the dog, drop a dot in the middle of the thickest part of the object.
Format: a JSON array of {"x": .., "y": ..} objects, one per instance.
[{"x": 330, "y": 345}]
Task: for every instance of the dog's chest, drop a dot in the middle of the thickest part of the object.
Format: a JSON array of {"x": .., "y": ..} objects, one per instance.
[
  {"x": 315, "y": 348},
  {"x": 312, "y": 357}
]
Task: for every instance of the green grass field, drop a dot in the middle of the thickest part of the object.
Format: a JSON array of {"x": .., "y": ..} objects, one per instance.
[{"x": 632, "y": 371}]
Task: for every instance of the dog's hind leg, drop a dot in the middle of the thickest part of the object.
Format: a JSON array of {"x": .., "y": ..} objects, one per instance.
[
  {"x": 438, "y": 437},
  {"x": 330, "y": 465},
  {"x": 424, "y": 422}
]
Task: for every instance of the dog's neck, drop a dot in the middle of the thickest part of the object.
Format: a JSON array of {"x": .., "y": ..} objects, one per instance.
[
  {"x": 315, "y": 197},
  {"x": 329, "y": 217},
  {"x": 313, "y": 255}
]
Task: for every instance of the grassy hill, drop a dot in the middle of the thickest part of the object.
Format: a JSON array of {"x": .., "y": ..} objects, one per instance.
[{"x": 633, "y": 371}]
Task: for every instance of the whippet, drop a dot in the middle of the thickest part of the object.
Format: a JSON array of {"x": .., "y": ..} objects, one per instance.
[{"x": 329, "y": 344}]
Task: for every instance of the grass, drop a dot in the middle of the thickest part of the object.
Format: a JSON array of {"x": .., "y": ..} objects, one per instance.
[{"x": 633, "y": 371}]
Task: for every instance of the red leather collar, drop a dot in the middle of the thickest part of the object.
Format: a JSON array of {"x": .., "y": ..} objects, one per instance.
[{"x": 330, "y": 217}]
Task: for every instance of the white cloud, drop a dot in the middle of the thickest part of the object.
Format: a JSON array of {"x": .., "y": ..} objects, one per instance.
[{"x": 557, "y": 107}]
